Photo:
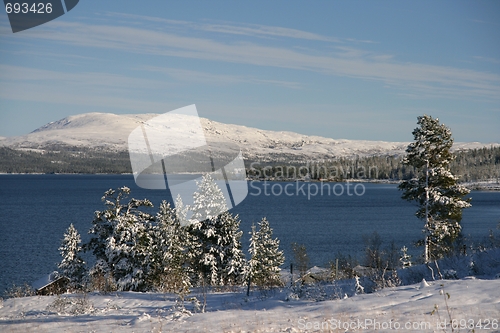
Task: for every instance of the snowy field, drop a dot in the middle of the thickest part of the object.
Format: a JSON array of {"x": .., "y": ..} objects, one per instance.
[
  {"x": 469, "y": 302},
  {"x": 472, "y": 302}
]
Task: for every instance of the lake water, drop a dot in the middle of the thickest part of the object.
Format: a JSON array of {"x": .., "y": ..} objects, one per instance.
[{"x": 35, "y": 211}]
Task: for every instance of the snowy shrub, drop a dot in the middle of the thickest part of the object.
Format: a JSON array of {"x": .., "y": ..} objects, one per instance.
[
  {"x": 345, "y": 265},
  {"x": 20, "y": 291},
  {"x": 486, "y": 262},
  {"x": 373, "y": 251},
  {"x": 178, "y": 314},
  {"x": 300, "y": 257},
  {"x": 490, "y": 242},
  {"x": 292, "y": 296},
  {"x": 381, "y": 279},
  {"x": 472, "y": 267},
  {"x": 338, "y": 291},
  {"x": 101, "y": 279},
  {"x": 413, "y": 274},
  {"x": 71, "y": 305},
  {"x": 450, "y": 274},
  {"x": 311, "y": 292},
  {"x": 197, "y": 306}
]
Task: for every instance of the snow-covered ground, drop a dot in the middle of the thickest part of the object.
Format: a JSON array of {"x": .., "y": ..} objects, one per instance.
[
  {"x": 428, "y": 306},
  {"x": 471, "y": 301},
  {"x": 111, "y": 131}
]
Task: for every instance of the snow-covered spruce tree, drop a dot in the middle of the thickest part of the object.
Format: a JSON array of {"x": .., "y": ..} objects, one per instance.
[
  {"x": 405, "y": 258},
  {"x": 209, "y": 201},
  {"x": 122, "y": 241},
  {"x": 232, "y": 257},
  {"x": 216, "y": 255},
  {"x": 169, "y": 262},
  {"x": 435, "y": 189},
  {"x": 266, "y": 257},
  {"x": 72, "y": 265}
]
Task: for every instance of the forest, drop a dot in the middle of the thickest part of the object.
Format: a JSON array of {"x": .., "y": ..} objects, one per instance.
[{"x": 469, "y": 165}]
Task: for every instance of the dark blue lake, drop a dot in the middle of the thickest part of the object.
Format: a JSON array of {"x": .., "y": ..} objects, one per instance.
[{"x": 35, "y": 211}]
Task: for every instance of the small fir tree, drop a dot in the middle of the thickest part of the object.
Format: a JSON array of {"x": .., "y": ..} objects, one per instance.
[
  {"x": 266, "y": 257},
  {"x": 300, "y": 257},
  {"x": 232, "y": 257},
  {"x": 170, "y": 271},
  {"x": 209, "y": 201},
  {"x": 72, "y": 265},
  {"x": 214, "y": 238},
  {"x": 405, "y": 258}
]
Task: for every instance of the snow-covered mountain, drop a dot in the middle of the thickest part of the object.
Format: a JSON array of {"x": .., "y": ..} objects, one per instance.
[{"x": 110, "y": 131}]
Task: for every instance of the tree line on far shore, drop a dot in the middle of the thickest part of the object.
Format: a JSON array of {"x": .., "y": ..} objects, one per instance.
[{"x": 469, "y": 165}]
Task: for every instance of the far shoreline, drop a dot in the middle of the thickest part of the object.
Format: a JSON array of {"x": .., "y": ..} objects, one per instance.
[{"x": 492, "y": 185}]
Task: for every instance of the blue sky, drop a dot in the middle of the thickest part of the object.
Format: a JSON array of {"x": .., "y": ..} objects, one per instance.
[{"x": 350, "y": 69}]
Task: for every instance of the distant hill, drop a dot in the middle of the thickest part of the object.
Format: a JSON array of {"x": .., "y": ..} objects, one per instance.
[
  {"x": 109, "y": 132},
  {"x": 97, "y": 143}
]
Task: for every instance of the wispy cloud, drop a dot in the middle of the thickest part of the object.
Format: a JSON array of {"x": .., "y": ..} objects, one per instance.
[
  {"x": 91, "y": 89},
  {"x": 254, "y": 30},
  {"x": 351, "y": 52},
  {"x": 205, "y": 77},
  {"x": 82, "y": 80},
  {"x": 259, "y": 30},
  {"x": 483, "y": 22},
  {"x": 415, "y": 78},
  {"x": 487, "y": 59}
]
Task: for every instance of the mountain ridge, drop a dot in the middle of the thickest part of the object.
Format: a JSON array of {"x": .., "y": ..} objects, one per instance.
[{"x": 108, "y": 131}]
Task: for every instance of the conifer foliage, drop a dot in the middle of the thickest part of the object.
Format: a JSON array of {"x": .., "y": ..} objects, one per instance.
[
  {"x": 121, "y": 242},
  {"x": 215, "y": 237},
  {"x": 196, "y": 245},
  {"x": 169, "y": 261},
  {"x": 435, "y": 188},
  {"x": 266, "y": 257},
  {"x": 72, "y": 265}
]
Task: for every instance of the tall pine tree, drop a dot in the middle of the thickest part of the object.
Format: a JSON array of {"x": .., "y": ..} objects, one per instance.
[{"x": 435, "y": 188}]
